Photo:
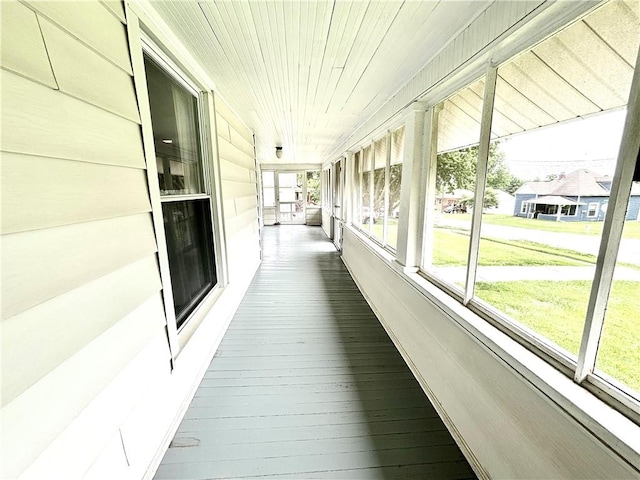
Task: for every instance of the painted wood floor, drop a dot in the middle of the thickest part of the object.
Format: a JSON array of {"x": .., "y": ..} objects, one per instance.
[{"x": 307, "y": 384}]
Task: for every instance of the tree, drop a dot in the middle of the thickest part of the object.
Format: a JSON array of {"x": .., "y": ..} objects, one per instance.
[
  {"x": 313, "y": 187},
  {"x": 457, "y": 170},
  {"x": 395, "y": 179},
  {"x": 498, "y": 174},
  {"x": 514, "y": 185},
  {"x": 490, "y": 199}
]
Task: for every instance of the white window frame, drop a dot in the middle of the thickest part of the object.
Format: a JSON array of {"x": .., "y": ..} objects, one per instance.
[
  {"x": 141, "y": 43},
  {"x": 356, "y": 191},
  {"x": 524, "y": 208},
  {"x": 596, "y": 209}
]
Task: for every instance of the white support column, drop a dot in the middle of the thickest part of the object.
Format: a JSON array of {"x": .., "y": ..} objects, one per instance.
[
  {"x": 412, "y": 190},
  {"x": 628, "y": 157},
  {"x": 431, "y": 165},
  {"x": 481, "y": 181}
]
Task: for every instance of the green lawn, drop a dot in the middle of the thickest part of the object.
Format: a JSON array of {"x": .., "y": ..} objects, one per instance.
[
  {"x": 451, "y": 249},
  {"x": 392, "y": 231},
  {"x": 556, "y": 310},
  {"x": 631, "y": 229}
]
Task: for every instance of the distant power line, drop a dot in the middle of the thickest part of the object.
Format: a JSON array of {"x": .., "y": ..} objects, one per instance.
[{"x": 562, "y": 162}]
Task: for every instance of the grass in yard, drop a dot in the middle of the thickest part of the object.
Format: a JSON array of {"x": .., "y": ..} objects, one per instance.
[
  {"x": 620, "y": 343},
  {"x": 631, "y": 229},
  {"x": 556, "y": 310},
  {"x": 451, "y": 249},
  {"x": 392, "y": 231}
]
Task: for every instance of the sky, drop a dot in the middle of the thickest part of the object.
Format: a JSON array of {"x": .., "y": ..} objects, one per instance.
[{"x": 590, "y": 143}]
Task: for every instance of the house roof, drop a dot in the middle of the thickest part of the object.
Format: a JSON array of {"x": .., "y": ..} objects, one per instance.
[
  {"x": 538, "y": 188},
  {"x": 579, "y": 183},
  {"x": 553, "y": 200}
]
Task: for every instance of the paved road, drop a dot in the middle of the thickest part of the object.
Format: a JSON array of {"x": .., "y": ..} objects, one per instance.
[
  {"x": 517, "y": 273},
  {"x": 629, "y": 248}
]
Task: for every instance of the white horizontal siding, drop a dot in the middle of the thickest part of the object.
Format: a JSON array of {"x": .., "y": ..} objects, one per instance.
[
  {"x": 32, "y": 424},
  {"x": 41, "y": 192},
  {"x": 233, "y": 153},
  {"x": 40, "y": 121},
  {"x": 23, "y": 49},
  {"x": 239, "y": 190},
  {"x": 85, "y": 74},
  {"x": 37, "y": 340},
  {"x": 80, "y": 281},
  {"x": 116, "y": 8},
  {"x": 41, "y": 264},
  {"x": 92, "y": 431},
  {"x": 93, "y": 24}
]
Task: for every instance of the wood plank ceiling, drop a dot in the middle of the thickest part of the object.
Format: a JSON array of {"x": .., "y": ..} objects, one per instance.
[{"x": 304, "y": 74}]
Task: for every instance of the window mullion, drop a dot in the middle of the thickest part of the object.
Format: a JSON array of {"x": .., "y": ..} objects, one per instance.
[
  {"x": 360, "y": 187},
  {"x": 387, "y": 172},
  {"x": 628, "y": 159},
  {"x": 481, "y": 181},
  {"x": 348, "y": 188},
  {"x": 372, "y": 167}
]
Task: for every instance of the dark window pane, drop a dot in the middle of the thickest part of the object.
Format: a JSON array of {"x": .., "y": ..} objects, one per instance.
[
  {"x": 191, "y": 257},
  {"x": 174, "y": 116}
]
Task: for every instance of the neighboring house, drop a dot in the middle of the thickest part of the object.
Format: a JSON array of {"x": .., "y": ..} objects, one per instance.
[
  {"x": 448, "y": 201},
  {"x": 581, "y": 195},
  {"x": 506, "y": 203}
]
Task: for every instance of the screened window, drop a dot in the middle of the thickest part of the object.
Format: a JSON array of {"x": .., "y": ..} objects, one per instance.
[
  {"x": 539, "y": 272},
  {"x": 452, "y": 186},
  {"x": 618, "y": 356},
  {"x": 531, "y": 269},
  {"x": 379, "y": 187},
  {"x": 523, "y": 251},
  {"x": 357, "y": 188},
  {"x": 313, "y": 189},
  {"x": 394, "y": 183},
  {"x": 186, "y": 201},
  {"x": 326, "y": 189},
  {"x": 366, "y": 191},
  {"x": 377, "y": 182}
]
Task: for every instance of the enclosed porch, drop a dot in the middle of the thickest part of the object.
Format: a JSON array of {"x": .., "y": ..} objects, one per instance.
[{"x": 307, "y": 384}]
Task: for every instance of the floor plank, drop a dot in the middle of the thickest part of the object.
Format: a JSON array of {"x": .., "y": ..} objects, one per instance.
[{"x": 307, "y": 384}]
